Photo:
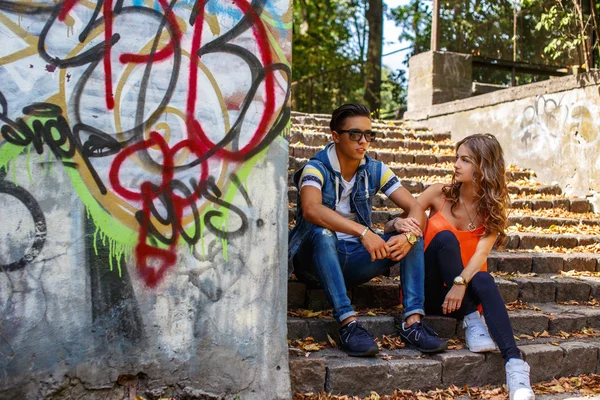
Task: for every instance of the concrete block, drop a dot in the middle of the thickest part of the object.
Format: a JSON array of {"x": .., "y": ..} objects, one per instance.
[
  {"x": 545, "y": 361},
  {"x": 535, "y": 289},
  {"x": 461, "y": 367},
  {"x": 527, "y": 321},
  {"x": 492, "y": 370},
  {"x": 415, "y": 374},
  {"x": 372, "y": 295},
  {"x": 566, "y": 322},
  {"x": 579, "y": 358},
  {"x": 445, "y": 327},
  {"x": 297, "y": 328},
  {"x": 580, "y": 206},
  {"x": 529, "y": 241},
  {"x": 579, "y": 263},
  {"x": 307, "y": 375},
  {"x": 508, "y": 289},
  {"x": 320, "y": 328},
  {"x": 296, "y": 295},
  {"x": 547, "y": 264},
  {"x": 357, "y": 376},
  {"x": 379, "y": 326},
  {"x": 512, "y": 263},
  {"x": 571, "y": 289}
]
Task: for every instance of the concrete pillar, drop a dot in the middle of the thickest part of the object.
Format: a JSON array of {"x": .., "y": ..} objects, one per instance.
[{"x": 438, "y": 77}]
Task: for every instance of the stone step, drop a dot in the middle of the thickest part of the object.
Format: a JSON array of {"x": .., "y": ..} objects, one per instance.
[
  {"x": 401, "y": 170},
  {"x": 324, "y": 119},
  {"x": 387, "y": 156},
  {"x": 542, "y": 263},
  {"x": 529, "y": 241},
  {"x": 385, "y": 128},
  {"x": 385, "y": 292},
  {"x": 550, "y": 317},
  {"x": 402, "y": 163},
  {"x": 415, "y": 183},
  {"x": 332, "y": 371},
  {"x": 381, "y": 216},
  {"x": 575, "y": 205},
  {"x": 384, "y": 141}
]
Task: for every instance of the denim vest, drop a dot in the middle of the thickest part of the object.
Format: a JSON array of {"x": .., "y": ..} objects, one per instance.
[{"x": 366, "y": 185}]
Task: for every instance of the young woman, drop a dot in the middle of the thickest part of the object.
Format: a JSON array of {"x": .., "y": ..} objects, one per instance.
[{"x": 466, "y": 218}]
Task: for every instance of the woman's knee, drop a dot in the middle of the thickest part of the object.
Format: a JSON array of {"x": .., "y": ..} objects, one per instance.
[
  {"x": 445, "y": 239},
  {"x": 483, "y": 280}
]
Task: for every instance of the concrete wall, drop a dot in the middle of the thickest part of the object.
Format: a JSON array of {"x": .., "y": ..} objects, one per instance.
[
  {"x": 142, "y": 189},
  {"x": 552, "y": 127}
]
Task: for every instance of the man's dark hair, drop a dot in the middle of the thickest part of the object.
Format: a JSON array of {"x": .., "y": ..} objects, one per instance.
[{"x": 340, "y": 114}]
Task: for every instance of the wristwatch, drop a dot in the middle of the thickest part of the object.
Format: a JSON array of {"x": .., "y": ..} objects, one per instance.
[
  {"x": 410, "y": 237},
  {"x": 459, "y": 280}
]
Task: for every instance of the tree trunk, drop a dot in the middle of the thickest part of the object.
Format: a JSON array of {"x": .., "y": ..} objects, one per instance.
[
  {"x": 415, "y": 27},
  {"x": 582, "y": 26},
  {"x": 373, "y": 64}
]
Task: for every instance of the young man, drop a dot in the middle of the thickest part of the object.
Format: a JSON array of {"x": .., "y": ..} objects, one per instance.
[{"x": 333, "y": 244}]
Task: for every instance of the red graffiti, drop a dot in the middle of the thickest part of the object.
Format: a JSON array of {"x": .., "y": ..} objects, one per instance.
[
  {"x": 152, "y": 261},
  {"x": 262, "y": 40}
]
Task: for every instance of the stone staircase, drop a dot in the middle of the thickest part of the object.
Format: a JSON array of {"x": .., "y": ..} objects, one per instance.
[{"x": 547, "y": 272}]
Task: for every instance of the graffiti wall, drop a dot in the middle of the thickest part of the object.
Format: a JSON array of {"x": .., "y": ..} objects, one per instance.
[
  {"x": 551, "y": 127},
  {"x": 142, "y": 185}
]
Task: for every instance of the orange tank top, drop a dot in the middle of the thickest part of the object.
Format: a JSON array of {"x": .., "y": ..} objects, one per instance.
[{"x": 468, "y": 240}]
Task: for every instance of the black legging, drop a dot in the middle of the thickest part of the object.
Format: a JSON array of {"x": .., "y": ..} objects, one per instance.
[{"x": 443, "y": 263}]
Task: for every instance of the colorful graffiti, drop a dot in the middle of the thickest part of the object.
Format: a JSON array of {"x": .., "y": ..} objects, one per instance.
[{"x": 156, "y": 111}]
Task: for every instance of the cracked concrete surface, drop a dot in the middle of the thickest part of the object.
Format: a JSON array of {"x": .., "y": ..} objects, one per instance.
[{"x": 214, "y": 328}]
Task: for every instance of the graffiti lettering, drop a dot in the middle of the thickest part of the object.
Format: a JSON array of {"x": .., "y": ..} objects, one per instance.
[
  {"x": 153, "y": 154},
  {"x": 39, "y": 222}
]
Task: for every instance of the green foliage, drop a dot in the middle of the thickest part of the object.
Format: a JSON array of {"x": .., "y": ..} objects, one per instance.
[
  {"x": 486, "y": 28},
  {"x": 393, "y": 92},
  {"x": 329, "y": 46},
  {"x": 569, "y": 31}
]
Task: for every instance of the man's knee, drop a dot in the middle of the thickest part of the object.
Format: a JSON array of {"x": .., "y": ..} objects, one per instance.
[{"x": 322, "y": 235}]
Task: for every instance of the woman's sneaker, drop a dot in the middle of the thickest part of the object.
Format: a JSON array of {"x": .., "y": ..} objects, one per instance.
[
  {"x": 357, "y": 341},
  {"x": 477, "y": 335},
  {"x": 517, "y": 380},
  {"x": 421, "y": 337}
]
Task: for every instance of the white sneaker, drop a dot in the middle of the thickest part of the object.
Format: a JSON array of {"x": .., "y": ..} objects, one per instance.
[
  {"x": 477, "y": 335},
  {"x": 517, "y": 380}
]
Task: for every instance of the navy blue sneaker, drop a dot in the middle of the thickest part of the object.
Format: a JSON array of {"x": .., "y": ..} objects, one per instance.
[
  {"x": 421, "y": 337},
  {"x": 356, "y": 341}
]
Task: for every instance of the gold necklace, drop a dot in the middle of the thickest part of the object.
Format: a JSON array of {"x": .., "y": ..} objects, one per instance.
[{"x": 470, "y": 226}]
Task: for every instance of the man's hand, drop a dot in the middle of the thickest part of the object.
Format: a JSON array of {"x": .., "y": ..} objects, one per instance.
[
  {"x": 399, "y": 247},
  {"x": 375, "y": 245},
  {"x": 454, "y": 299},
  {"x": 408, "y": 225}
]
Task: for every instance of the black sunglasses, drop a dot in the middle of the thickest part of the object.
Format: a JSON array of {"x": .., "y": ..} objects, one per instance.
[{"x": 356, "y": 134}]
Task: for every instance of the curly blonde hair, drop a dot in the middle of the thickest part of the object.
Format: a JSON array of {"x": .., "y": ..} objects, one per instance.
[{"x": 489, "y": 183}]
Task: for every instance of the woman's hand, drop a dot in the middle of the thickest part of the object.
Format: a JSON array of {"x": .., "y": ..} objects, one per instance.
[
  {"x": 408, "y": 225},
  {"x": 454, "y": 299}
]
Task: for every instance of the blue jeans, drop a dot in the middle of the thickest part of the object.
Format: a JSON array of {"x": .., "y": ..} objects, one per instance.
[{"x": 338, "y": 264}]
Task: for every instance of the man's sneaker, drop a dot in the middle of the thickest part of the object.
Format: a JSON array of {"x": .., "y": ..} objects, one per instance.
[
  {"x": 356, "y": 341},
  {"x": 421, "y": 337},
  {"x": 517, "y": 380},
  {"x": 477, "y": 335}
]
